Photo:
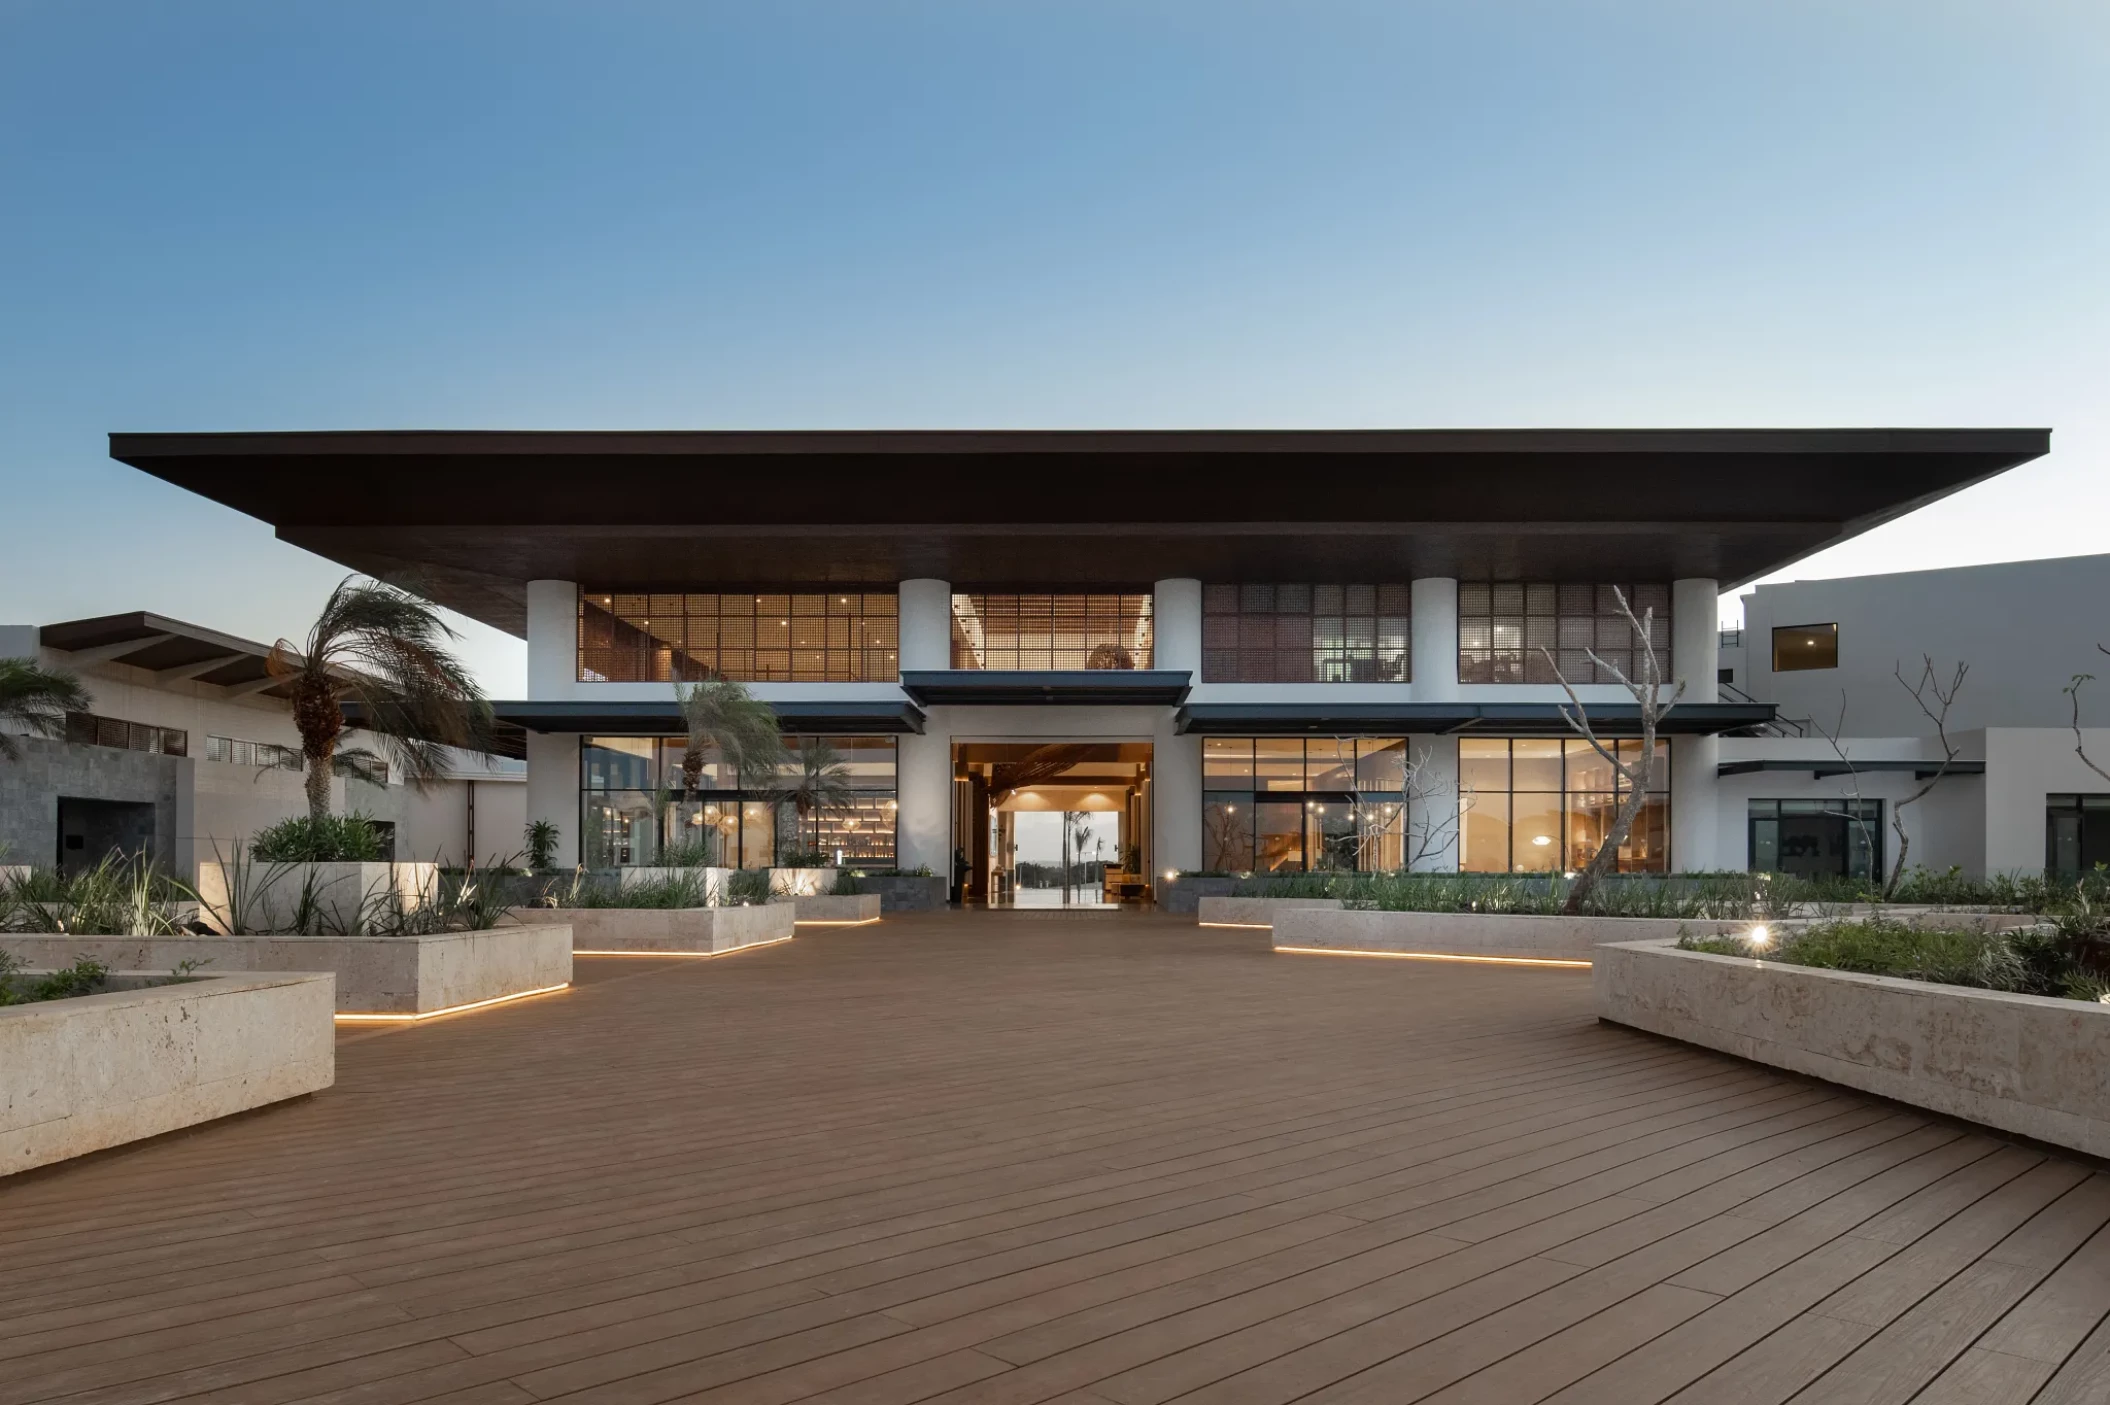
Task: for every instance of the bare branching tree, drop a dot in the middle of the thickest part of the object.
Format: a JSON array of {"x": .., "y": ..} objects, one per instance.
[
  {"x": 1935, "y": 701},
  {"x": 2073, "y": 692},
  {"x": 1647, "y": 692},
  {"x": 1858, "y": 816}
]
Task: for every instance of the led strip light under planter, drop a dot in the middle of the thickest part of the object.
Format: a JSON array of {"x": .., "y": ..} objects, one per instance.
[
  {"x": 832, "y": 922},
  {"x": 357, "y": 1018}
]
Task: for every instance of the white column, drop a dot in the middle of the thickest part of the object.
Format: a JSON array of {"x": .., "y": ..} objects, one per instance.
[
  {"x": 1175, "y": 801},
  {"x": 1695, "y": 637},
  {"x": 552, "y": 640},
  {"x": 1432, "y": 812},
  {"x": 1695, "y": 790},
  {"x": 1435, "y": 643},
  {"x": 1176, "y": 628},
  {"x": 553, "y": 789},
  {"x": 926, "y": 630},
  {"x": 923, "y": 787}
]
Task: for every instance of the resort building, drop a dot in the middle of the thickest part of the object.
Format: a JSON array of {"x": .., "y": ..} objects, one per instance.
[
  {"x": 1200, "y": 650},
  {"x": 190, "y": 750}
]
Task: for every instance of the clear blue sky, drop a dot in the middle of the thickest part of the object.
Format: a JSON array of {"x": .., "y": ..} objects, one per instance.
[{"x": 1568, "y": 212}]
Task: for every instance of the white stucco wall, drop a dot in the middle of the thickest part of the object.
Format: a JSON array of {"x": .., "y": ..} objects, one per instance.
[{"x": 2024, "y": 627}]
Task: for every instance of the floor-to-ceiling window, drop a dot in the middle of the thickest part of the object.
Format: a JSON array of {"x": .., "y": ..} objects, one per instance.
[
  {"x": 1287, "y": 633},
  {"x": 1053, "y": 631},
  {"x": 2076, "y": 834},
  {"x": 1516, "y": 631},
  {"x": 1288, "y": 804},
  {"x": 844, "y": 635},
  {"x": 1817, "y": 838},
  {"x": 636, "y": 808},
  {"x": 1543, "y": 804}
]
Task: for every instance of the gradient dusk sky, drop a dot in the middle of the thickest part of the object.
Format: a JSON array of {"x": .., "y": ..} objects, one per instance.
[{"x": 282, "y": 215}]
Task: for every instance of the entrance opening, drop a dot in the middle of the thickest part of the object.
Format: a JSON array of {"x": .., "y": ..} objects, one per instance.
[
  {"x": 1052, "y": 824},
  {"x": 93, "y": 830}
]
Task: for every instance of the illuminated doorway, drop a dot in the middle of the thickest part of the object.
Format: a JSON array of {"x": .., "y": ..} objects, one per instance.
[{"x": 1052, "y": 824}]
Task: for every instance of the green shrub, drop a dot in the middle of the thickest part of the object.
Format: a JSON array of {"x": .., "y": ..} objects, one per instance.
[
  {"x": 2069, "y": 957},
  {"x": 748, "y": 885},
  {"x": 83, "y": 977},
  {"x": 691, "y": 853},
  {"x": 320, "y": 839},
  {"x": 804, "y": 858},
  {"x": 846, "y": 883}
]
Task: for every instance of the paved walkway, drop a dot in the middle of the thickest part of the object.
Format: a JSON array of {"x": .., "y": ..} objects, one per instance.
[{"x": 995, "y": 1160}]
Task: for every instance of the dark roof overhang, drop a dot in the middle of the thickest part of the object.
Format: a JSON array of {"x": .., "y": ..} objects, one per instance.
[
  {"x": 1502, "y": 719},
  {"x": 170, "y": 648},
  {"x": 1158, "y": 687},
  {"x": 468, "y": 518},
  {"x": 1825, "y": 770}
]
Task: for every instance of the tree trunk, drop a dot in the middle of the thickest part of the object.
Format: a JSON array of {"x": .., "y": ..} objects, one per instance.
[
  {"x": 317, "y": 782},
  {"x": 1622, "y": 825}
]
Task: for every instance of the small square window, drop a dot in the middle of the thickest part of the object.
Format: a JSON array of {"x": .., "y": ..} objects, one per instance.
[{"x": 1797, "y": 647}]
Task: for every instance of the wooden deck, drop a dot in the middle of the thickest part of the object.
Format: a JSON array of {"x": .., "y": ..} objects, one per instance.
[{"x": 996, "y": 1160}]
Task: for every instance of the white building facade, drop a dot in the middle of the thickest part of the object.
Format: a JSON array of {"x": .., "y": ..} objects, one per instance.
[{"x": 1237, "y": 652}]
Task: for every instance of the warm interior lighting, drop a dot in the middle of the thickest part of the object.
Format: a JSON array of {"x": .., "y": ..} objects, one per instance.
[
  {"x": 1437, "y": 956},
  {"x": 1541, "y": 840},
  {"x": 361, "y": 1018}
]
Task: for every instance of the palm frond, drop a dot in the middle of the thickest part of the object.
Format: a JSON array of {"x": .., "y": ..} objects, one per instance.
[{"x": 36, "y": 700}]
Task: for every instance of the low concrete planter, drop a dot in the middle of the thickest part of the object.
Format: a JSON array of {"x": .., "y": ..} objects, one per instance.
[
  {"x": 396, "y": 976},
  {"x": 801, "y": 882},
  {"x": 1185, "y": 893},
  {"x": 1480, "y": 933},
  {"x": 839, "y": 908},
  {"x": 1257, "y": 912},
  {"x": 672, "y": 930},
  {"x": 2028, "y": 1064},
  {"x": 270, "y": 897},
  {"x": 907, "y": 892},
  {"x": 98, "y": 1071}
]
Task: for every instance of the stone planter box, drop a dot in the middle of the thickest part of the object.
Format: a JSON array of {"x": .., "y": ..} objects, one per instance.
[
  {"x": 1185, "y": 893},
  {"x": 270, "y": 896},
  {"x": 1257, "y": 912},
  {"x": 1480, "y": 933},
  {"x": 98, "y": 1071},
  {"x": 907, "y": 892},
  {"x": 801, "y": 882},
  {"x": 673, "y": 931},
  {"x": 2028, "y": 1064},
  {"x": 394, "y": 977},
  {"x": 838, "y": 908}
]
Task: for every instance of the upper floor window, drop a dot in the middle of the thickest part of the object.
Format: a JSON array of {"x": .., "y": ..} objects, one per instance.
[
  {"x": 92, "y": 729},
  {"x": 1800, "y": 646},
  {"x": 816, "y": 636},
  {"x": 245, "y": 753},
  {"x": 1306, "y": 633},
  {"x": 1506, "y": 627},
  {"x": 1048, "y": 632}
]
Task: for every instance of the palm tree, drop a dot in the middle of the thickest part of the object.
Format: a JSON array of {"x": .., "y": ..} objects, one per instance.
[
  {"x": 37, "y": 699},
  {"x": 722, "y": 716},
  {"x": 819, "y": 780},
  {"x": 389, "y": 652}
]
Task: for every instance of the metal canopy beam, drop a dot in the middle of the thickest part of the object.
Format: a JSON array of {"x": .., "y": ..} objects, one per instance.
[{"x": 1159, "y": 687}]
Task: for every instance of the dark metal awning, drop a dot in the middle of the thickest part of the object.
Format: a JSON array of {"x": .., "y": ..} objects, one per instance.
[
  {"x": 1160, "y": 687},
  {"x": 1824, "y": 770},
  {"x": 1503, "y": 719},
  {"x": 656, "y": 718}
]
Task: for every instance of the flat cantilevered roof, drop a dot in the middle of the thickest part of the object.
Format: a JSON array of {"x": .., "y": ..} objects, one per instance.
[{"x": 469, "y": 517}]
